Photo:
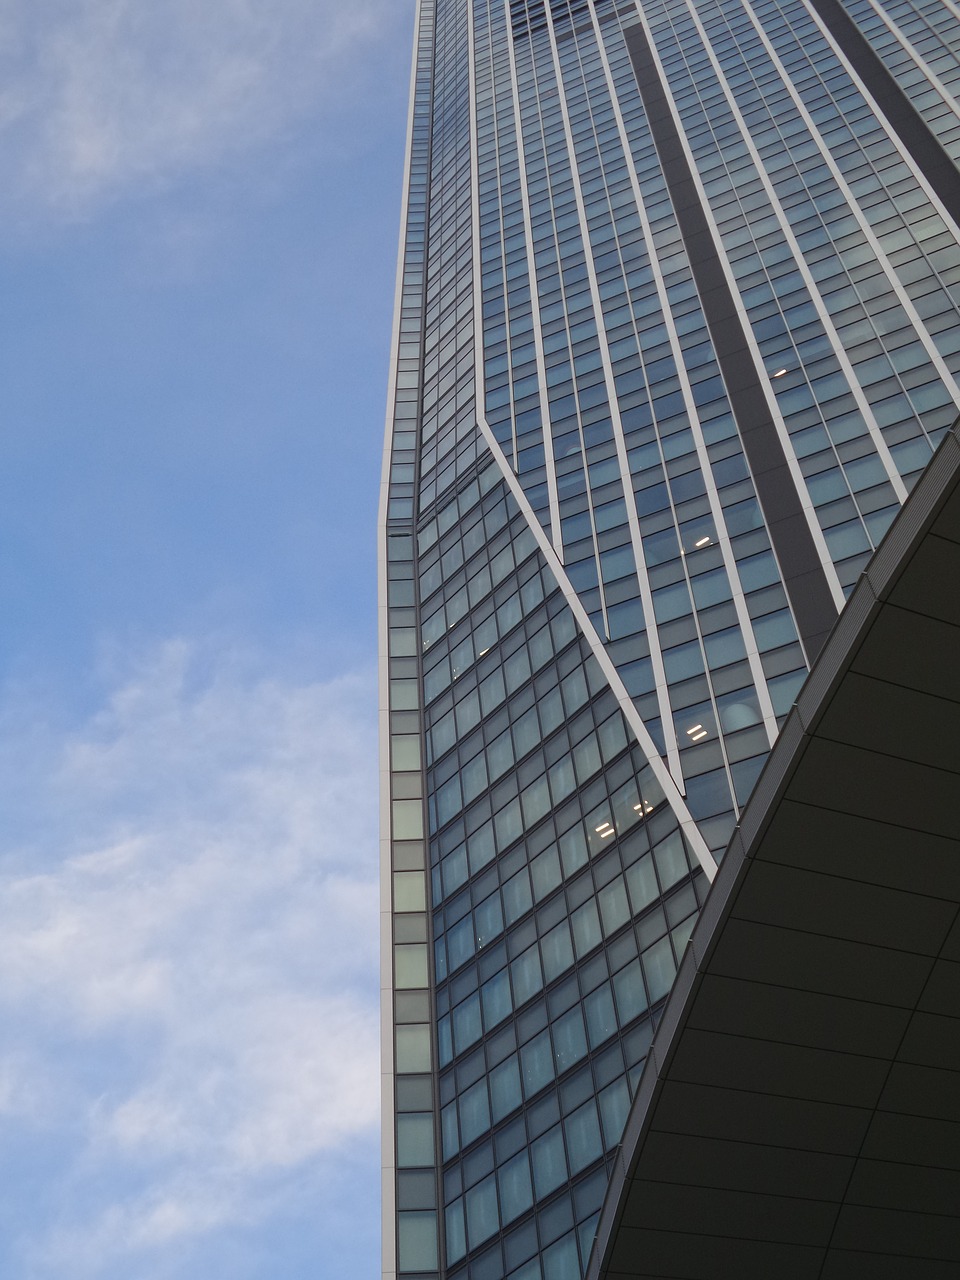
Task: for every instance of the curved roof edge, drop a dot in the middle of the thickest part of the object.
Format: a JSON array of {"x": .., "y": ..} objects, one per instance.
[{"x": 798, "y": 1112}]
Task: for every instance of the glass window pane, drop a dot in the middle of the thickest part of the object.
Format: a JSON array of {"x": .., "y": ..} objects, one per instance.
[
  {"x": 613, "y": 906},
  {"x": 549, "y": 1162},
  {"x": 561, "y": 1261},
  {"x": 445, "y": 1041},
  {"x": 569, "y": 1040},
  {"x": 556, "y": 951},
  {"x": 415, "y": 1140},
  {"x": 413, "y": 1049},
  {"x": 509, "y": 824},
  {"x": 516, "y": 1189},
  {"x": 474, "y": 1112},
  {"x": 573, "y": 850},
  {"x": 495, "y": 995},
  {"x": 659, "y": 968},
  {"x": 489, "y": 920},
  {"x": 466, "y": 1023},
  {"x": 545, "y": 873},
  {"x": 482, "y": 1218},
  {"x": 529, "y": 1271},
  {"x": 449, "y": 1130},
  {"x": 583, "y": 1136},
  {"x": 517, "y": 898},
  {"x": 600, "y": 1014},
  {"x": 461, "y": 943},
  {"x": 537, "y": 1062},
  {"x": 418, "y": 1241},
  {"x": 526, "y": 974},
  {"x": 409, "y": 891},
  {"x": 642, "y": 883},
  {"x": 630, "y": 992},
  {"x": 406, "y": 751},
  {"x": 456, "y": 1238},
  {"x": 505, "y": 1088},
  {"x": 407, "y": 820},
  {"x": 411, "y": 965},
  {"x": 482, "y": 848},
  {"x": 671, "y": 860},
  {"x": 614, "y": 1106},
  {"x": 586, "y": 928}
]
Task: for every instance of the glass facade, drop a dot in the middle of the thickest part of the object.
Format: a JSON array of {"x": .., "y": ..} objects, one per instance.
[{"x": 676, "y": 332}]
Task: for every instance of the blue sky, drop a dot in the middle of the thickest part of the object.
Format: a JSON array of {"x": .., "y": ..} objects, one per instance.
[{"x": 197, "y": 244}]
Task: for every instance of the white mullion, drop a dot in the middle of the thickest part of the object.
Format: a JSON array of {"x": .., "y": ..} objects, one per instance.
[
  {"x": 716, "y": 508},
  {"x": 574, "y": 603},
  {"x": 646, "y": 597},
  {"x": 773, "y": 408}
]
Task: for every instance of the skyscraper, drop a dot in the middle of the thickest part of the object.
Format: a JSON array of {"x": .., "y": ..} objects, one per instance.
[{"x": 676, "y": 333}]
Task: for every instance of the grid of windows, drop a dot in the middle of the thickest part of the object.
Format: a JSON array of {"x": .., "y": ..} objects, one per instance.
[
  {"x": 541, "y": 887},
  {"x": 785, "y": 200},
  {"x": 920, "y": 45},
  {"x": 562, "y": 889},
  {"x": 656, "y": 548}
]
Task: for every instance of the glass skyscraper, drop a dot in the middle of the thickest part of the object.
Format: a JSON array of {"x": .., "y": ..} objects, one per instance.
[{"x": 676, "y": 332}]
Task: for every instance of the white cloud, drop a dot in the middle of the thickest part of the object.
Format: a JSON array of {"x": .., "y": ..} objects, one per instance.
[
  {"x": 100, "y": 95},
  {"x": 189, "y": 952}
]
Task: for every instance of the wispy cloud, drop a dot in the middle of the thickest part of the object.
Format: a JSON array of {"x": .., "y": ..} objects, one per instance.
[
  {"x": 187, "y": 1012},
  {"x": 101, "y": 95}
]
